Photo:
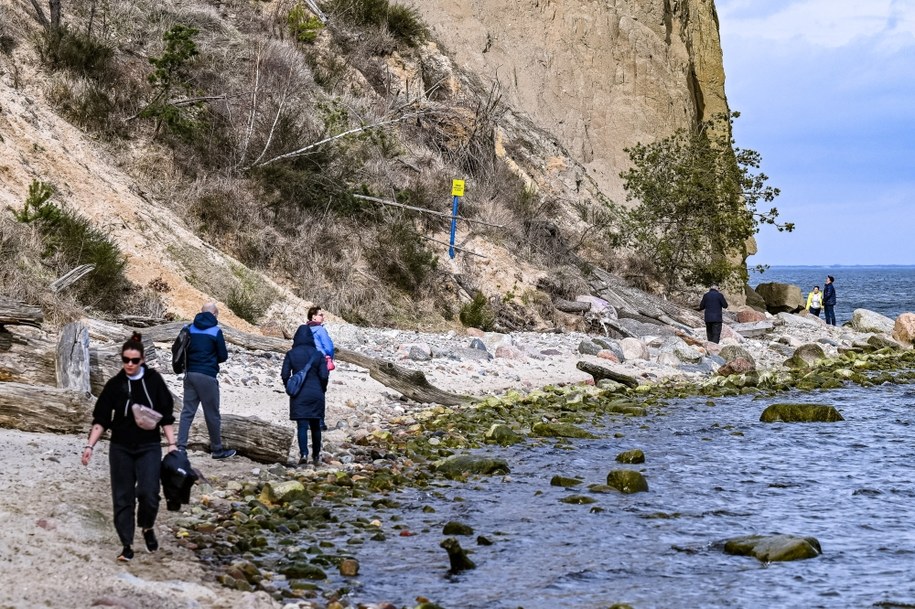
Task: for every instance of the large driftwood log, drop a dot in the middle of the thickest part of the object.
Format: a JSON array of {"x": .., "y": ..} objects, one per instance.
[
  {"x": 252, "y": 437},
  {"x": 571, "y": 306},
  {"x": 627, "y": 299},
  {"x": 44, "y": 409},
  {"x": 411, "y": 383},
  {"x": 73, "y": 358},
  {"x": 29, "y": 359},
  {"x": 602, "y": 372},
  {"x": 13, "y": 312}
]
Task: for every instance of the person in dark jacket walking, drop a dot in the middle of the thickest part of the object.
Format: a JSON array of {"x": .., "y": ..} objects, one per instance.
[
  {"x": 829, "y": 300},
  {"x": 134, "y": 452},
  {"x": 713, "y": 302},
  {"x": 322, "y": 341},
  {"x": 306, "y": 408},
  {"x": 207, "y": 349}
]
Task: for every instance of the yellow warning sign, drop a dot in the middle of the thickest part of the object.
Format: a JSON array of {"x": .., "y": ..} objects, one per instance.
[{"x": 457, "y": 188}]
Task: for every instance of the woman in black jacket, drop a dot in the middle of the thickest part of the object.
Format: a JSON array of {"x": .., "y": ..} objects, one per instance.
[
  {"x": 134, "y": 453},
  {"x": 306, "y": 408}
]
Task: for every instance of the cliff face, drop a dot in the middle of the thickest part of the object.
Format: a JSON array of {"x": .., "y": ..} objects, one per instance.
[{"x": 600, "y": 76}]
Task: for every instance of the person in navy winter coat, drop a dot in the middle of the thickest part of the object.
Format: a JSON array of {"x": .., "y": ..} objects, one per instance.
[
  {"x": 712, "y": 303},
  {"x": 307, "y": 407}
]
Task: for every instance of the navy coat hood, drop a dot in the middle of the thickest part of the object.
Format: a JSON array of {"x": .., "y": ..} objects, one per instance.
[
  {"x": 309, "y": 403},
  {"x": 303, "y": 337},
  {"x": 205, "y": 320}
]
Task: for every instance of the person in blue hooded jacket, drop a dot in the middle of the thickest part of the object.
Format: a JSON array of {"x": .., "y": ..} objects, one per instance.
[
  {"x": 207, "y": 349},
  {"x": 306, "y": 408}
]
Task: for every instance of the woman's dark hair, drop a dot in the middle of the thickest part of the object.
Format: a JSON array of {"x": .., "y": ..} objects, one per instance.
[
  {"x": 135, "y": 343},
  {"x": 312, "y": 312}
]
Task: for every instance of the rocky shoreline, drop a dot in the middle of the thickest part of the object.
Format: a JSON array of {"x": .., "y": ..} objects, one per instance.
[{"x": 219, "y": 552}]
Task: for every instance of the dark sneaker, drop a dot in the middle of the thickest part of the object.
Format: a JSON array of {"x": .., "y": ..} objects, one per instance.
[
  {"x": 316, "y": 462},
  {"x": 225, "y": 453},
  {"x": 149, "y": 536},
  {"x": 323, "y": 425},
  {"x": 126, "y": 554}
]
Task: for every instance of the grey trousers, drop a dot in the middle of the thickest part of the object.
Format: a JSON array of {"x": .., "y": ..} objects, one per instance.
[{"x": 201, "y": 389}]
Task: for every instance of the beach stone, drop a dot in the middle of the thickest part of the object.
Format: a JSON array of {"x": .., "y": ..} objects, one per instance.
[
  {"x": 502, "y": 434},
  {"x": 559, "y": 430},
  {"x": 610, "y": 345},
  {"x": 456, "y": 466},
  {"x": 668, "y": 359},
  {"x": 301, "y": 569},
  {"x": 802, "y": 321},
  {"x": 781, "y": 297},
  {"x": 631, "y": 456},
  {"x": 349, "y": 567},
  {"x": 608, "y": 355},
  {"x": 588, "y": 347},
  {"x": 731, "y": 352},
  {"x": 564, "y": 482},
  {"x": 457, "y": 528},
  {"x": 879, "y": 341},
  {"x": 800, "y": 413},
  {"x": 738, "y": 365},
  {"x": 749, "y": 315},
  {"x": 864, "y": 320},
  {"x": 633, "y": 348},
  {"x": 753, "y": 329},
  {"x": 774, "y": 548},
  {"x": 469, "y": 353},
  {"x": 627, "y": 481},
  {"x": 282, "y": 492},
  {"x": 754, "y": 299},
  {"x": 578, "y": 499},
  {"x": 476, "y": 343},
  {"x": 420, "y": 352},
  {"x": 510, "y": 352},
  {"x": 904, "y": 329},
  {"x": 806, "y": 356}
]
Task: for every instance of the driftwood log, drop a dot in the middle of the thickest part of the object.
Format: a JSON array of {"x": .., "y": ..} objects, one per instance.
[
  {"x": 411, "y": 383},
  {"x": 29, "y": 358},
  {"x": 602, "y": 372},
  {"x": 73, "y": 358},
  {"x": 250, "y": 436},
  {"x": 13, "y": 313},
  {"x": 571, "y": 306},
  {"x": 629, "y": 302},
  {"x": 44, "y": 409}
]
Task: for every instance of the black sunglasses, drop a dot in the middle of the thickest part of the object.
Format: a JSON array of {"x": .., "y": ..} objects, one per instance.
[{"x": 131, "y": 360}]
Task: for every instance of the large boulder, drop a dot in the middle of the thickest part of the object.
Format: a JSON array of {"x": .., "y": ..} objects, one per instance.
[
  {"x": 276, "y": 493},
  {"x": 753, "y": 329},
  {"x": 731, "y": 352},
  {"x": 864, "y": 320},
  {"x": 781, "y": 297},
  {"x": 803, "y": 321},
  {"x": 772, "y": 548},
  {"x": 806, "y": 356},
  {"x": 627, "y": 481},
  {"x": 800, "y": 413},
  {"x": 633, "y": 348},
  {"x": 754, "y": 299},
  {"x": 904, "y": 329},
  {"x": 748, "y": 315}
]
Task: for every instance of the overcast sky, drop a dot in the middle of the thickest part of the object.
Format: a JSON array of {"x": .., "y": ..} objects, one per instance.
[{"x": 826, "y": 91}]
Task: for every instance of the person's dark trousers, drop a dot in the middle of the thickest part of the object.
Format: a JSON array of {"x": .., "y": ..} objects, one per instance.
[
  {"x": 830, "y": 314},
  {"x": 713, "y": 331},
  {"x": 302, "y": 427},
  {"x": 815, "y": 312},
  {"x": 134, "y": 487},
  {"x": 201, "y": 389}
]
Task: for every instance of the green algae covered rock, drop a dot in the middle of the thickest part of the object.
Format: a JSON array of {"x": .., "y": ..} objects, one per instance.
[
  {"x": 457, "y": 528},
  {"x": 457, "y": 556},
  {"x": 631, "y": 456},
  {"x": 564, "y": 482},
  {"x": 559, "y": 430},
  {"x": 303, "y": 570},
  {"x": 502, "y": 435},
  {"x": 627, "y": 481},
  {"x": 275, "y": 493},
  {"x": 456, "y": 466},
  {"x": 800, "y": 413},
  {"x": 772, "y": 548},
  {"x": 578, "y": 499}
]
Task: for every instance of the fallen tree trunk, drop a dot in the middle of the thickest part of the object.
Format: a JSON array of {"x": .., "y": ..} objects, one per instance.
[
  {"x": 250, "y": 436},
  {"x": 44, "y": 409},
  {"x": 571, "y": 306},
  {"x": 602, "y": 372},
  {"x": 13, "y": 312},
  {"x": 30, "y": 358},
  {"x": 73, "y": 358}
]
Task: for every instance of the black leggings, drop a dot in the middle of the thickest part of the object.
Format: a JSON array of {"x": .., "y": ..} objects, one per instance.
[
  {"x": 134, "y": 487},
  {"x": 302, "y": 427}
]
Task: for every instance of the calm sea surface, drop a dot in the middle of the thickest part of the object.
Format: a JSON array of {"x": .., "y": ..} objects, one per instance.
[{"x": 885, "y": 289}]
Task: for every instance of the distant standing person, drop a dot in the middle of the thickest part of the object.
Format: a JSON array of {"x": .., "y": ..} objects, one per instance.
[
  {"x": 307, "y": 407},
  {"x": 134, "y": 452},
  {"x": 829, "y": 300},
  {"x": 207, "y": 349},
  {"x": 815, "y": 301},
  {"x": 322, "y": 341},
  {"x": 713, "y": 303}
]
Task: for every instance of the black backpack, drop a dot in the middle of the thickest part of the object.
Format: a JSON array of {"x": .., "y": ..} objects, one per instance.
[{"x": 179, "y": 350}]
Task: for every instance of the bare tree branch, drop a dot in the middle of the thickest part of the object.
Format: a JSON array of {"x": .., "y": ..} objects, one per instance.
[{"x": 39, "y": 12}]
